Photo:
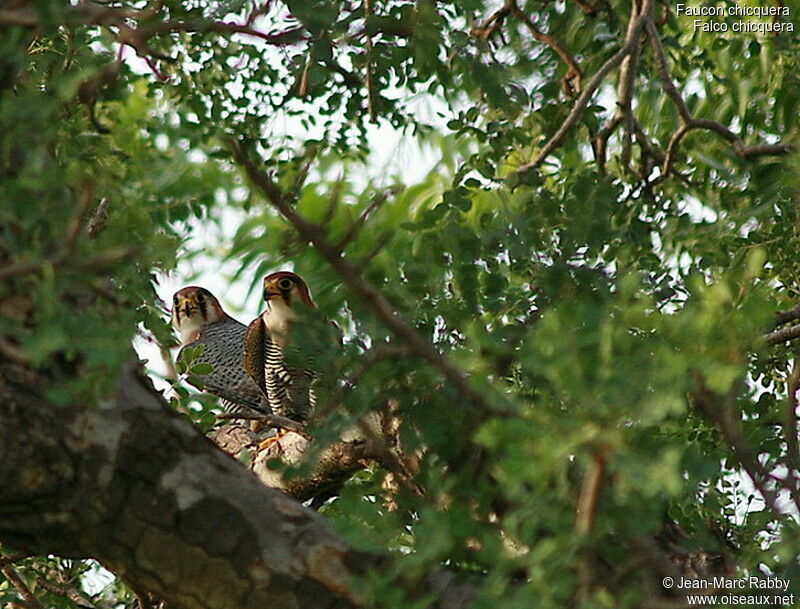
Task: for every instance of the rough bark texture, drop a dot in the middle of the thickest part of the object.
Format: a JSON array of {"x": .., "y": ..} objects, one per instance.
[
  {"x": 139, "y": 488},
  {"x": 332, "y": 466}
]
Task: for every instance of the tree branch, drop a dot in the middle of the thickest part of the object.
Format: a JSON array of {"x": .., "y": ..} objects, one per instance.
[
  {"x": 783, "y": 335},
  {"x": 631, "y": 40},
  {"x": 782, "y": 317},
  {"x": 719, "y": 410},
  {"x": 573, "y": 70},
  {"x": 10, "y": 573},
  {"x": 689, "y": 122},
  {"x": 315, "y": 234},
  {"x": 137, "y": 487},
  {"x": 273, "y": 420},
  {"x": 790, "y": 431}
]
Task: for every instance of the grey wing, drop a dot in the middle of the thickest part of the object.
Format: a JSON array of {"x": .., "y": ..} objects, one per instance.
[{"x": 224, "y": 350}]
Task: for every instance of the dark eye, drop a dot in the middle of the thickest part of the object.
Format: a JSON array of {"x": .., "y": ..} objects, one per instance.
[
  {"x": 200, "y": 297},
  {"x": 175, "y": 301},
  {"x": 285, "y": 284}
]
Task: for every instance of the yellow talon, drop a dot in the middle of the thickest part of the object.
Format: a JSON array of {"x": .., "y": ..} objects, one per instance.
[{"x": 279, "y": 433}]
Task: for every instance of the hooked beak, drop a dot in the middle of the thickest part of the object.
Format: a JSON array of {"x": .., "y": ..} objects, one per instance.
[
  {"x": 184, "y": 307},
  {"x": 270, "y": 291}
]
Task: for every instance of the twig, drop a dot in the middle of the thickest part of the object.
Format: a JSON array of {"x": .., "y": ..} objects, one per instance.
[
  {"x": 368, "y": 361},
  {"x": 285, "y": 38},
  {"x": 380, "y": 243},
  {"x": 627, "y": 77},
  {"x": 573, "y": 72},
  {"x": 590, "y": 491},
  {"x": 354, "y": 229},
  {"x": 720, "y": 412},
  {"x": 64, "y": 249},
  {"x": 494, "y": 22},
  {"x": 368, "y": 69},
  {"x": 600, "y": 141},
  {"x": 688, "y": 122},
  {"x": 98, "y": 219},
  {"x": 27, "y": 596},
  {"x": 585, "y": 513},
  {"x": 631, "y": 40},
  {"x": 624, "y": 113}
]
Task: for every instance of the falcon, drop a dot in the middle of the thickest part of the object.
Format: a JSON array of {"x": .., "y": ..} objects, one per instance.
[
  {"x": 199, "y": 319},
  {"x": 283, "y": 343}
]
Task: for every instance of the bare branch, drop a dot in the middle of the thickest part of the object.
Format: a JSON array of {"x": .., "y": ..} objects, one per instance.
[
  {"x": 783, "y": 335},
  {"x": 631, "y": 40},
  {"x": 494, "y": 22},
  {"x": 624, "y": 113},
  {"x": 689, "y": 122},
  {"x": 720, "y": 411},
  {"x": 571, "y": 83},
  {"x": 27, "y": 596}
]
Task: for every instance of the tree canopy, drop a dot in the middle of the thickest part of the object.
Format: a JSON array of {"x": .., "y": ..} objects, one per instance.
[{"x": 579, "y": 322}]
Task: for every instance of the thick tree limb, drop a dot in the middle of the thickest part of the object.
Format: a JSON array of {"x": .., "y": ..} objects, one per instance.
[
  {"x": 141, "y": 490},
  {"x": 332, "y": 466},
  {"x": 137, "y": 487}
]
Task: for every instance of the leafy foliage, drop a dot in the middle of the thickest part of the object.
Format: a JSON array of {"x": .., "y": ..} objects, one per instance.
[{"x": 589, "y": 298}]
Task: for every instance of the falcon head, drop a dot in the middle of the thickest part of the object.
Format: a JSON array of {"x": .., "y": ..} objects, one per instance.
[
  {"x": 286, "y": 288},
  {"x": 282, "y": 292},
  {"x": 192, "y": 308}
]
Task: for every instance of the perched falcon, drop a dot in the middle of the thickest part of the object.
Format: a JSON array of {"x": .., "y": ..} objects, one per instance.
[
  {"x": 199, "y": 319},
  {"x": 283, "y": 343}
]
